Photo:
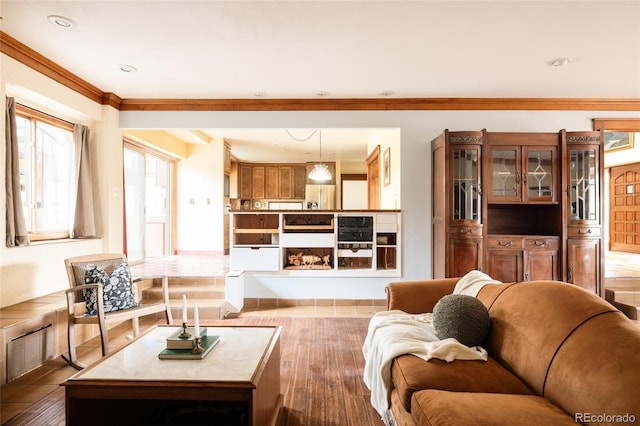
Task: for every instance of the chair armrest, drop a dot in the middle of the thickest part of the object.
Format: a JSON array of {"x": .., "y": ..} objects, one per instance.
[
  {"x": 417, "y": 297},
  {"x": 71, "y": 297}
]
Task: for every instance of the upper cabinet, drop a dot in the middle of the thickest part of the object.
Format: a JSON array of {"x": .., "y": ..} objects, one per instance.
[
  {"x": 244, "y": 181},
  {"x": 583, "y": 175},
  {"x": 466, "y": 189},
  {"x": 522, "y": 169},
  {"x": 271, "y": 181},
  {"x": 226, "y": 158}
]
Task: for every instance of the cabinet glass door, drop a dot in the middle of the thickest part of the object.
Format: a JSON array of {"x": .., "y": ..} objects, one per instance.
[
  {"x": 466, "y": 184},
  {"x": 505, "y": 174},
  {"x": 539, "y": 177},
  {"x": 582, "y": 181}
]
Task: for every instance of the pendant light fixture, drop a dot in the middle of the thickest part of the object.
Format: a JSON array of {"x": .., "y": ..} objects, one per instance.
[{"x": 320, "y": 171}]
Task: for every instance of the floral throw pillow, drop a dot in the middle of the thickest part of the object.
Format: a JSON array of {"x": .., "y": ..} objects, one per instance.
[{"x": 117, "y": 288}]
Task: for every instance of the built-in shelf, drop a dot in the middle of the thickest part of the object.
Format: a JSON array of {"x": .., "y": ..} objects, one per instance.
[{"x": 317, "y": 243}]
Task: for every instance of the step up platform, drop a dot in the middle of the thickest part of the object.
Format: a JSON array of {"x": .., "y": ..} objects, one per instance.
[
  {"x": 624, "y": 294},
  {"x": 208, "y": 292}
]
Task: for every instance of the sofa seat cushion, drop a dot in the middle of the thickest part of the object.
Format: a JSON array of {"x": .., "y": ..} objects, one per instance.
[
  {"x": 442, "y": 408},
  {"x": 411, "y": 374}
]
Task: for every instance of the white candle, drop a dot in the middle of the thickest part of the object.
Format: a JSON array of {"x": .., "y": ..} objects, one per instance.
[
  {"x": 184, "y": 308},
  {"x": 196, "y": 320}
]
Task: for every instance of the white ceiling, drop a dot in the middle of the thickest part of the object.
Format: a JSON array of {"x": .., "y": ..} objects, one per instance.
[{"x": 340, "y": 49}]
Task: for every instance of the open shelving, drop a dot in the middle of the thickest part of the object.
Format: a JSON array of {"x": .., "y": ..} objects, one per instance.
[{"x": 352, "y": 243}]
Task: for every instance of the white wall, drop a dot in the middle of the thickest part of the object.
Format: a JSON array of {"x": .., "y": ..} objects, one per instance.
[
  {"x": 200, "y": 186},
  {"x": 36, "y": 270}
]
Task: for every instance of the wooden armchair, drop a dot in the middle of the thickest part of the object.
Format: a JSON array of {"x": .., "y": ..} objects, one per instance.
[{"x": 77, "y": 305}]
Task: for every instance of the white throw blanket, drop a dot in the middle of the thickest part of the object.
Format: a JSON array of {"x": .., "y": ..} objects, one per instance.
[
  {"x": 395, "y": 333},
  {"x": 471, "y": 283}
]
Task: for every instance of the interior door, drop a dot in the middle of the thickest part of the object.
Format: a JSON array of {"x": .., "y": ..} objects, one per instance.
[
  {"x": 624, "y": 205},
  {"x": 373, "y": 179}
]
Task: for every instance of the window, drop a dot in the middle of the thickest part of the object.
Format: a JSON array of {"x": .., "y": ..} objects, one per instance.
[{"x": 45, "y": 149}]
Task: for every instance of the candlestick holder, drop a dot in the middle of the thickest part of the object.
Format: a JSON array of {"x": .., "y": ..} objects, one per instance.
[
  {"x": 185, "y": 334},
  {"x": 197, "y": 349}
]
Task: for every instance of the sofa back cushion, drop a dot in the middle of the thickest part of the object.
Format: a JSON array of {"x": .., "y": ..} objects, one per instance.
[
  {"x": 530, "y": 321},
  {"x": 596, "y": 371}
]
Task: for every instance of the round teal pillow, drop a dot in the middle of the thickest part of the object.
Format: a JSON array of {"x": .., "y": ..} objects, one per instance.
[{"x": 462, "y": 317}]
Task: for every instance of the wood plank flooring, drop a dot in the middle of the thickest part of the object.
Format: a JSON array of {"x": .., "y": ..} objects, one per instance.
[{"x": 321, "y": 375}]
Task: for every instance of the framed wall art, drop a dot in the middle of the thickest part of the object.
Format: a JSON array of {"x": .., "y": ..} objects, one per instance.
[
  {"x": 386, "y": 166},
  {"x": 614, "y": 141}
]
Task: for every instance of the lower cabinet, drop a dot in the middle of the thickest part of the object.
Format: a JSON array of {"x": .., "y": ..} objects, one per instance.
[
  {"x": 513, "y": 258},
  {"x": 466, "y": 255},
  {"x": 584, "y": 263},
  {"x": 255, "y": 258}
]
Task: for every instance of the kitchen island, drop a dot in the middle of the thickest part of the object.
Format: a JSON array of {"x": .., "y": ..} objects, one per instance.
[{"x": 316, "y": 242}]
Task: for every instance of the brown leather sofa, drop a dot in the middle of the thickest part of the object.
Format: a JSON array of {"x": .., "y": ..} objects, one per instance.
[{"x": 557, "y": 355}]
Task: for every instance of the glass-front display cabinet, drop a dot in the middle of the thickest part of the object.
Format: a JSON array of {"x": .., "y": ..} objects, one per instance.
[
  {"x": 466, "y": 188},
  {"x": 583, "y": 188},
  {"x": 523, "y": 174},
  {"x": 584, "y": 178}
]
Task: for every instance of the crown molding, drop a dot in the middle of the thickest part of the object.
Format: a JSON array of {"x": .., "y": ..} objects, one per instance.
[
  {"x": 29, "y": 57},
  {"x": 375, "y": 104}
]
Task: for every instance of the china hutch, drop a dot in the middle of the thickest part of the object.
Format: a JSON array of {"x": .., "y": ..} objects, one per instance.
[{"x": 519, "y": 206}]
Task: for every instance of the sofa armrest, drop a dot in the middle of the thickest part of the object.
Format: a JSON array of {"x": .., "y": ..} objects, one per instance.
[{"x": 417, "y": 297}]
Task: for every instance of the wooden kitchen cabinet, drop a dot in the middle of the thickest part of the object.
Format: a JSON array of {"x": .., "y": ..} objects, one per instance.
[
  {"x": 271, "y": 182},
  {"x": 244, "y": 181},
  {"x": 285, "y": 182},
  {"x": 226, "y": 158},
  {"x": 299, "y": 181},
  {"x": 257, "y": 181}
]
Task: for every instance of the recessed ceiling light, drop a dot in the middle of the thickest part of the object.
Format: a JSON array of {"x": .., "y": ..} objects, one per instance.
[
  {"x": 61, "y": 21},
  {"x": 559, "y": 62},
  {"x": 322, "y": 94},
  {"x": 127, "y": 68}
]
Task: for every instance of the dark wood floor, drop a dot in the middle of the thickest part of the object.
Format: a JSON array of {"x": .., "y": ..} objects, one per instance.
[{"x": 321, "y": 375}]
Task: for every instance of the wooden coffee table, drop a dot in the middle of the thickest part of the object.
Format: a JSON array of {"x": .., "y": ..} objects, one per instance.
[{"x": 238, "y": 383}]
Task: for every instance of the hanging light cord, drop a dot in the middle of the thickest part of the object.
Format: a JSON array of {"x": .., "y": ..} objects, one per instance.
[{"x": 301, "y": 140}]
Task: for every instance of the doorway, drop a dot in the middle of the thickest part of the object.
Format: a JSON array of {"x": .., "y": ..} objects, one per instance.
[
  {"x": 147, "y": 182},
  {"x": 353, "y": 191}
]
